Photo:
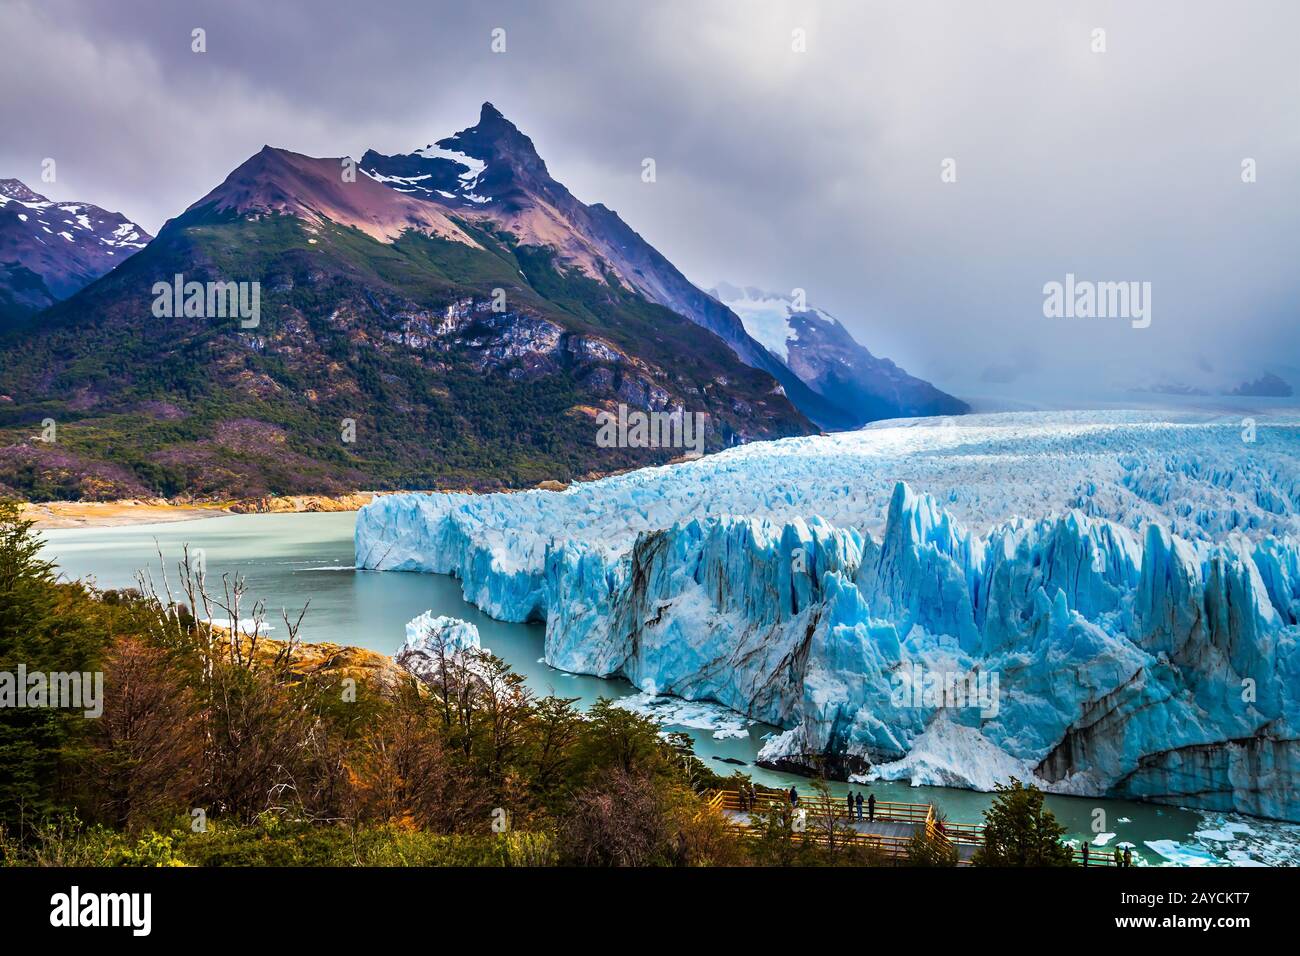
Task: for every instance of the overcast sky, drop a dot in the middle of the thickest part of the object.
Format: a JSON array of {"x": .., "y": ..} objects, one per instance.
[{"x": 819, "y": 169}]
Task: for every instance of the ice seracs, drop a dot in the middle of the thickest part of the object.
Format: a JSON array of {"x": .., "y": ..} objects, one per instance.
[{"x": 1132, "y": 581}]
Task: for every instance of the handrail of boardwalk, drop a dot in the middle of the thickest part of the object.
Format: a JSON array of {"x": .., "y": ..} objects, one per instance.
[
  {"x": 885, "y": 810},
  {"x": 954, "y": 834},
  {"x": 893, "y": 847},
  {"x": 972, "y": 834}
]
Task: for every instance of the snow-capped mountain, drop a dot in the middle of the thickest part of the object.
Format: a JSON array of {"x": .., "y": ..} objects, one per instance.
[
  {"x": 280, "y": 182},
  {"x": 379, "y": 306},
  {"x": 49, "y": 250},
  {"x": 818, "y": 349},
  {"x": 1131, "y": 579},
  {"x": 491, "y": 174}
]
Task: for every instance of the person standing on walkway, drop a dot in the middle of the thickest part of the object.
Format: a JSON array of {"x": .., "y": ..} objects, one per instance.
[
  {"x": 849, "y": 801},
  {"x": 871, "y": 808},
  {"x": 794, "y": 796},
  {"x": 859, "y": 805}
]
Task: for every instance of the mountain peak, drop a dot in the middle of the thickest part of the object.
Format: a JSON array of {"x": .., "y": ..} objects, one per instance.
[
  {"x": 17, "y": 189},
  {"x": 280, "y": 181},
  {"x": 489, "y": 162},
  {"x": 49, "y": 250},
  {"x": 493, "y": 124},
  {"x": 822, "y": 353},
  {"x": 496, "y": 138}
]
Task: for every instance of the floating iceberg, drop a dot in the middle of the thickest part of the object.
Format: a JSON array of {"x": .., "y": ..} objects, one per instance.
[
  {"x": 722, "y": 722},
  {"x": 433, "y": 640},
  {"x": 1105, "y": 602}
]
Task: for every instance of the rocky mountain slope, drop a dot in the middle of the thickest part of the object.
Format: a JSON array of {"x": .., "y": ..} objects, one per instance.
[
  {"x": 50, "y": 250},
  {"x": 400, "y": 343},
  {"x": 817, "y": 348},
  {"x": 491, "y": 174}
]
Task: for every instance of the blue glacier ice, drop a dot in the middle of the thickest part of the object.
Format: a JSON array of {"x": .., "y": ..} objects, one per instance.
[
  {"x": 434, "y": 641},
  {"x": 429, "y": 631},
  {"x": 1107, "y": 603}
]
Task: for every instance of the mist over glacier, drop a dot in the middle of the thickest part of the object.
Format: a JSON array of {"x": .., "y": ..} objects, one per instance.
[{"x": 1130, "y": 580}]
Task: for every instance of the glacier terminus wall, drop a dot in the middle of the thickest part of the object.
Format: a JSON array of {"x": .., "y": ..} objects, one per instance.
[{"x": 1105, "y": 603}]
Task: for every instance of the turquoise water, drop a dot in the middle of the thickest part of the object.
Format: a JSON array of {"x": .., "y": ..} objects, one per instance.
[{"x": 294, "y": 559}]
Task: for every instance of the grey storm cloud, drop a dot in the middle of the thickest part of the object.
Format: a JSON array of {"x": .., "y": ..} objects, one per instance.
[
  {"x": 1003, "y": 373},
  {"x": 776, "y": 168}
]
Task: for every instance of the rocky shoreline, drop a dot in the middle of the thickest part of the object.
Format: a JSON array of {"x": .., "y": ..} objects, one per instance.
[{"x": 50, "y": 515}]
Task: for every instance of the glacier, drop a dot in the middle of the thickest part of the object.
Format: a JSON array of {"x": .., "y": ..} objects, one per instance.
[{"x": 1127, "y": 584}]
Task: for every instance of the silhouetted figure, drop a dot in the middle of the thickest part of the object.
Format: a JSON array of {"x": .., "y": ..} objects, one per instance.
[
  {"x": 794, "y": 797},
  {"x": 871, "y": 808},
  {"x": 1128, "y": 856},
  {"x": 849, "y": 800},
  {"x": 859, "y": 804},
  {"x": 1085, "y": 852}
]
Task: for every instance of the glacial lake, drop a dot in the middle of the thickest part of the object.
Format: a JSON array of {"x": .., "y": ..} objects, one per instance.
[{"x": 292, "y": 559}]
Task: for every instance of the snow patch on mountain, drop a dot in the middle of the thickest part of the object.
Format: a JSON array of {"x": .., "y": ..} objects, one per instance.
[
  {"x": 89, "y": 223},
  {"x": 474, "y": 169},
  {"x": 767, "y": 319},
  {"x": 49, "y": 250},
  {"x": 820, "y": 351}
]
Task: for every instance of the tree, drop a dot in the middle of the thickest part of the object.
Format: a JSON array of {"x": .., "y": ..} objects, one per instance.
[
  {"x": 930, "y": 847},
  {"x": 778, "y": 836},
  {"x": 404, "y": 773},
  {"x": 622, "y": 820},
  {"x": 830, "y": 827},
  {"x": 144, "y": 751},
  {"x": 27, "y": 585},
  {"x": 45, "y": 627},
  {"x": 506, "y": 704},
  {"x": 555, "y": 728},
  {"x": 615, "y": 738},
  {"x": 1020, "y": 831}
]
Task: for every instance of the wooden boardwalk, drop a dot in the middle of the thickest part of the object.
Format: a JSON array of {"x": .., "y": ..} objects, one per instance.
[{"x": 888, "y": 831}]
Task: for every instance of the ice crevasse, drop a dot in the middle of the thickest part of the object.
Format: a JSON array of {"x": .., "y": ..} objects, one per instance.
[{"x": 1138, "y": 640}]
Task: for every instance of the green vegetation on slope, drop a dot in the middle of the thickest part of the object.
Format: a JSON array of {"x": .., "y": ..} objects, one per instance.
[{"x": 349, "y": 332}]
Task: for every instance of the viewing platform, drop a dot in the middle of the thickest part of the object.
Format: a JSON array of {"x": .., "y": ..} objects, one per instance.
[{"x": 887, "y": 830}]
